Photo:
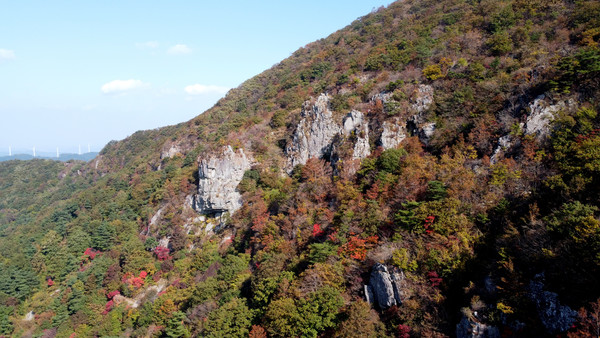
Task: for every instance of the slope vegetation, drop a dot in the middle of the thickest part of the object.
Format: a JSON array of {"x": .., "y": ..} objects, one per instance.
[{"x": 431, "y": 169}]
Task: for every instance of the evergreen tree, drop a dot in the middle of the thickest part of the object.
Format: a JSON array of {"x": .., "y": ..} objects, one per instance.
[
  {"x": 6, "y": 325},
  {"x": 175, "y": 327},
  {"x": 102, "y": 236}
]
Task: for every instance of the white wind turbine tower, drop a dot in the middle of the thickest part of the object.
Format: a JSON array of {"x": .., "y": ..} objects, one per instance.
[
  {"x": 34, "y": 151},
  {"x": 9, "y": 151},
  {"x": 57, "y": 155},
  {"x": 89, "y": 151}
]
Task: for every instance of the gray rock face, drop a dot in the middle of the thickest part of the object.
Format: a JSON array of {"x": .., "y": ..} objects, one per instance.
[
  {"x": 472, "y": 329},
  {"x": 219, "y": 177},
  {"x": 423, "y": 98},
  {"x": 317, "y": 130},
  {"x": 394, "y": 132},
  {"x": 313, "y": 134},
  {"x": 555, "y": 317},
  {"x": 386, "y": 287},
  {"x": 420, "y": 103},
  {"x": 355, "y": 123},
  {"x": 540, "y": 115}
]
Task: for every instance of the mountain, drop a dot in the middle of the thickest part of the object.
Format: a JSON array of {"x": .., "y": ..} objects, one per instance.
[
  {"x": 62, "y": 157},
  {"x": 429, "y": 170}
]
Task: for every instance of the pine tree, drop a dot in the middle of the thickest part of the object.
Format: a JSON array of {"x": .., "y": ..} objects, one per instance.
[
  {"x": 175, "y": 327},
  {"x": 6, "y": 326}
]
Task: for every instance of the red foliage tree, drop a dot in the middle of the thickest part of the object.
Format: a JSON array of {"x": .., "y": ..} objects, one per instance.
[
  {"x": 162, "y": 253},
  {"x": 109, "y": 305},
  {"x": 356, "y": 247},
  {"x": 428, "y": 223},
  {"x": 317, "y": 231},
  {"x": 403, "y": 331},
  {"x": 112, "y": 294},
  {"x": 257, "y": 331},
  {"x": 90, "y": 253},
  {"x": 434, "y": 279}
]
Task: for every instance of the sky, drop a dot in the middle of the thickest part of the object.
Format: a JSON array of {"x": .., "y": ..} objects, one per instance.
[{"x": 87, "y": 72}]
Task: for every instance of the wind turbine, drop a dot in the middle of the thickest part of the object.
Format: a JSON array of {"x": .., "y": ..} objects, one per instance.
[
  {"x": 9, "y": 151},
  {"x": 57, "y": 155},
  {"x": 34, "y": 151},
  {"x": 89, "y": 151}
]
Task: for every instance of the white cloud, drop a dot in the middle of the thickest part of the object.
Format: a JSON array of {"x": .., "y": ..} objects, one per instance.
[
  {"x": 147, "y": 44},
  {"x": 199, "y": 89},
  {"x": 6, "y": 54},
  {"x": 179, "y": 50},
  {"x": 119, "y": 86}
]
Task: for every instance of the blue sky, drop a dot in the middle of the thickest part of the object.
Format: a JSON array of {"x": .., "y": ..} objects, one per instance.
[{"x": 87, "y": 72}]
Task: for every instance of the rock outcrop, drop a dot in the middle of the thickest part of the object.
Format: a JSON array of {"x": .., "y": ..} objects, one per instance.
[
  {"x": 219, "y": 176},
  {"x": 357, "y": 127},
  {"x": 383, "y": 97},
  {"x": 29, "y": 316},
  {"x": 541, "y": 113},
  {"x": 384, "y": 287},
  {"x": 317, "y": 132},
  {"x": 425, "y": 132},
  {"x": 422, "y": 99},
  {"x": 554, "y": 316},
  {"x": 420, "y": 103},
  {"x": 314, "y": 133},
  {"x": 468, "y": 328},
  {"x": 394, "y": 132},
  {"x": 173, "y": 150}
]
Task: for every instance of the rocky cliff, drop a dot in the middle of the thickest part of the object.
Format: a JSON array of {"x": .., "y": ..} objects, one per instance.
[
  {"x": 385, "y": 287},
  {"x": 313, "y": 134},
  {"x": 219, "y": 176}
]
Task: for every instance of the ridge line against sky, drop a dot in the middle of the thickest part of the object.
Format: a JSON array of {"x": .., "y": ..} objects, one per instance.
[{"x": 86, "y": 73}]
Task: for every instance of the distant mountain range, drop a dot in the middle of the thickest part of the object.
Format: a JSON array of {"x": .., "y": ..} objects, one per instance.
[{"x": 63, "y": 157}]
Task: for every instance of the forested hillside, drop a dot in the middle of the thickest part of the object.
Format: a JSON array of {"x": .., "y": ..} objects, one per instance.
[{"x": 430, "y": 170}]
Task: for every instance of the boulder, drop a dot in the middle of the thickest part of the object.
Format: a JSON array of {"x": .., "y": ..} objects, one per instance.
[{"x": 386, "y": 287}]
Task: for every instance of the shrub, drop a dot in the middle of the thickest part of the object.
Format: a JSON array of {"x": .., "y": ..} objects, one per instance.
[
  {"x": 433, "y": 72},
  {"x": 500, "y": 43},
  {"x": 389, "y": 160}
]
